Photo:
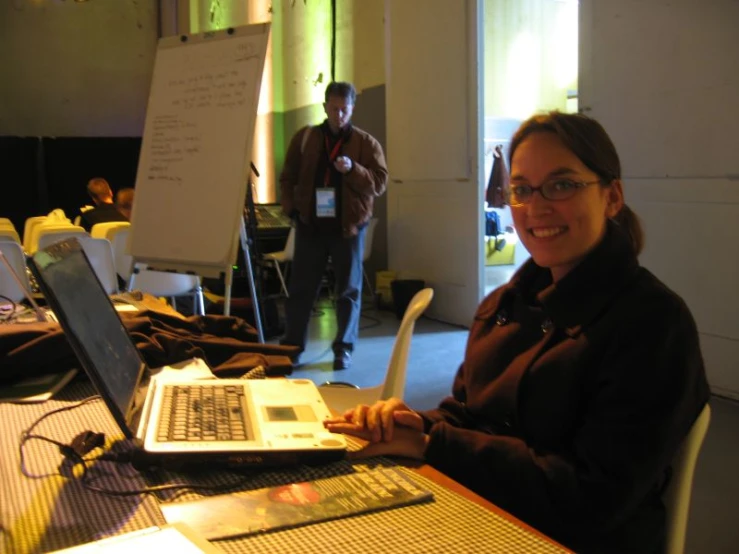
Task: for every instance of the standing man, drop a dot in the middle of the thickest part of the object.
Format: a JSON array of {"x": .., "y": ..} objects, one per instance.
[
  {"x": 104, "y": 210},
  {"x": 332, "y": 174}
]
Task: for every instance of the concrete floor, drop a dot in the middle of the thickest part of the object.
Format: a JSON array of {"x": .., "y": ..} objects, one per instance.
[{"x": 436, "y": 352}]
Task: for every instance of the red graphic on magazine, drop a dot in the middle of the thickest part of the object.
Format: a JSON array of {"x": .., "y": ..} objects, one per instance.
[{"x": 297, "y": 494}]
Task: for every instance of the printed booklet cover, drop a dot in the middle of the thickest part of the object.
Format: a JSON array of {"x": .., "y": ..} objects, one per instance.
[{"x": 241, "y": 513}]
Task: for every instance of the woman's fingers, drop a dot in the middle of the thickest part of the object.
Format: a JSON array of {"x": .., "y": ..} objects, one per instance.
[
  {"x": 409, "y": 419},
  {"x": 347, "y": 428},
  {"x": 376, "y": 423}
]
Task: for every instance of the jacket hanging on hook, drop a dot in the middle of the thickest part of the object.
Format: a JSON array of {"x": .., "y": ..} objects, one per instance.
[{"x": 495, "y": 195}]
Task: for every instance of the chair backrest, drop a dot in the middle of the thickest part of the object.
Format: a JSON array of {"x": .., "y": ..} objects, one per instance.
[
  {"x": 9, "y": 233},
  {"x": 13, "y": 254},
  {"x": 5, "y": 223},
  {"x": 28, "y": 226},
  {"x": 395, "y": 377},
  {"x": 164, "y": 283},
  {"x": 100, "y": 254},
  {"x": 48, "y": 233},
  {"x": 289, "y": 250},
  {"x": 107, "y": 229},
  {"x": 369, "y": 238},
  {"x": 118, "y": 237},
  {"x": 677, "y": 494}
]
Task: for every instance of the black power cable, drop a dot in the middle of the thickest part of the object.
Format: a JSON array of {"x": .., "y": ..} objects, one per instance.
[{"x": 86, "y": 442}]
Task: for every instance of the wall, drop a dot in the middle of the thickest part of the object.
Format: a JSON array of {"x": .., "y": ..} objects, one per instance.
[
  {"x": 669, "y": 101},
  {"x": 75, "y": 69}
]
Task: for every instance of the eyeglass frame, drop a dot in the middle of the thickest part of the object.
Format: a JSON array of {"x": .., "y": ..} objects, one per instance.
[{"x": 579, "y": 185}]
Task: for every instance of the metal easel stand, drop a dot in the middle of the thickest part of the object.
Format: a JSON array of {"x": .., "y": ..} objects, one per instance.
[{"x": 245, "y": 247}]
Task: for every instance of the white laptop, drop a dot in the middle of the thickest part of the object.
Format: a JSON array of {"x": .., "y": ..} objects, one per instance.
[{"x": 247, "y": 422}]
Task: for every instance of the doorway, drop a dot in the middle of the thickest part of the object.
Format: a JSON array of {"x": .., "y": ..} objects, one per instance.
[{"x": 530, "y": 52}]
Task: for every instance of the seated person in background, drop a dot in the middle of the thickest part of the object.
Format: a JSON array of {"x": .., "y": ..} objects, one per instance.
[
  {"x": 104, "y": 210},
  {"x": 581, "y": 376},
  {"x": 124, "y": 201}
]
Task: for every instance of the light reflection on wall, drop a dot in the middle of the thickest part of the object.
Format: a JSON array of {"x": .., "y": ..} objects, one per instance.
[
  {"x": 211, "y": 15},
  {"x": 523, "y": 71},
  {"x": 530, "y": 56},
  {"x": 263, "y": 150},
  {"x": 297, "y": 70},
  {"x": 565, "y": 63}
]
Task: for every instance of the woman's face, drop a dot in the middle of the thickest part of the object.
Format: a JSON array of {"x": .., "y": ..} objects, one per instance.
[{"x": 558, "y": 234}]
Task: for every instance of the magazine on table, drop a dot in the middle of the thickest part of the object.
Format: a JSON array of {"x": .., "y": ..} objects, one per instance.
[{"x": 270, "y": 508}]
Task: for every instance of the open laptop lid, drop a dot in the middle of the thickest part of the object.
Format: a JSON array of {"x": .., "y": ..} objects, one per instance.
[{"x": 93, "y": 328}]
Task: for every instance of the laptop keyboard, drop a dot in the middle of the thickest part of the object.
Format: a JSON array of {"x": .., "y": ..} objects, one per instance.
[{"x": 203, "y": 413}]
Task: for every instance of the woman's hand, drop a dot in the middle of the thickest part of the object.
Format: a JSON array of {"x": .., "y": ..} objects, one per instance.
[
  {"x": 407, "y": 442},
  {"x": 390, "y": 427},
  {"x": 376, "y": 423}
]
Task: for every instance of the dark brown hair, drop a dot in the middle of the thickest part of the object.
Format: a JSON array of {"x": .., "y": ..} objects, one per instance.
[
  {"x": 99, "y": 189},
  {"x": 588, "y": 140},
  {"x": 342, "y": 90}
]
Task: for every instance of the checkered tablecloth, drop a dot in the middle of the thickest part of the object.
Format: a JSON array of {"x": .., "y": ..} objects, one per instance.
[{"x": 54, "y": 512}]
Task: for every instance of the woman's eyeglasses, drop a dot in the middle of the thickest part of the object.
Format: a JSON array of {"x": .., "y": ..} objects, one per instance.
[{"x": 559, "y": 189}]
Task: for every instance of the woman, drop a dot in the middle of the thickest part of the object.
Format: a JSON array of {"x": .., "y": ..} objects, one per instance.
[{"x": 581, "y": 376}]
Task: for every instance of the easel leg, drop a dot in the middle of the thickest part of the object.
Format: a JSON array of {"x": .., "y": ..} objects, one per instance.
[
  {"x": 252, "y": 287},
  {"x": 227, "y": 298}
]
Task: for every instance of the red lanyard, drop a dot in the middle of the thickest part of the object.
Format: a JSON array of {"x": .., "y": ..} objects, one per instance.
[{"x": 333, "y": 154}]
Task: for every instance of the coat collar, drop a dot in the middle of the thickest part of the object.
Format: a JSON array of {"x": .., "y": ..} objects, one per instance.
[
  {"x": 344, "y": 133},
  {"x": 580, "y": 296}
]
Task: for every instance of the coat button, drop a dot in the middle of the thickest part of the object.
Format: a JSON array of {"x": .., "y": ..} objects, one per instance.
[
  {"x": 546, "y": 325},
  {"x": 501, "y": 318}
]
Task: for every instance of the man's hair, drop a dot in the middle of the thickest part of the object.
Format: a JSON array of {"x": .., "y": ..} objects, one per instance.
[
  {"x": 342, "y": 90},
  {"x": 124, "y": 197},
  {"x": 99, "y": 189}
]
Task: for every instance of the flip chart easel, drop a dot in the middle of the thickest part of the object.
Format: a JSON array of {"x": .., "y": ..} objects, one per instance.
[{"x": 195, "y": 152}]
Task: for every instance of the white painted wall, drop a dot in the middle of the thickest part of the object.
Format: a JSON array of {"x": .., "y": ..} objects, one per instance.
[
  {"x": 663, "y": 78},
  {"x": 75, "y": 69}
]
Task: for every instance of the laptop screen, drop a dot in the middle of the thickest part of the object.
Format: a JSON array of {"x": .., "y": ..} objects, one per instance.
[{"x": 91, "y": 325}]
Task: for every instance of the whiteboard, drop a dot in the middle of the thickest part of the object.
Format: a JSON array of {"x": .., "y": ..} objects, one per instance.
[{"x": 195, "y": 152}]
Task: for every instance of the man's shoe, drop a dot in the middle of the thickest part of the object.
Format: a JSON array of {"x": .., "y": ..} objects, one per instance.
[{"x": 342, "y": 359}]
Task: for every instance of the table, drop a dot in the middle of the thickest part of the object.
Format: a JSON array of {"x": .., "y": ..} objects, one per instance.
[{"x": 54, "y": 512}]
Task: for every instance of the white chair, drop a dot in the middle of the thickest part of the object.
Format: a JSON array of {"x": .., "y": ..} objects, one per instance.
[
  {"x": 49, "y": 233},
  {"x": 169, "y": 284},
  {"x": 107, "y": 229},
  {"x": 156, "y": 283},
  {"x": 100, "y": 254},
  {"x": 6, "y": 223},
  {"x": 282, "y": 257},
  {"x": 677, "y": 494},
  {"x": 116, "y": 232},
  {"x": 14, "y": 256},
  {"x": 8, "y": 232},
  {"x": 340, "y": 397},
  {"x": 28, "y": 227}
]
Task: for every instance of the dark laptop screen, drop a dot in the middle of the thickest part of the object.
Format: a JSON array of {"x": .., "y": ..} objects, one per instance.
[{"x": 91, "y": 324}]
